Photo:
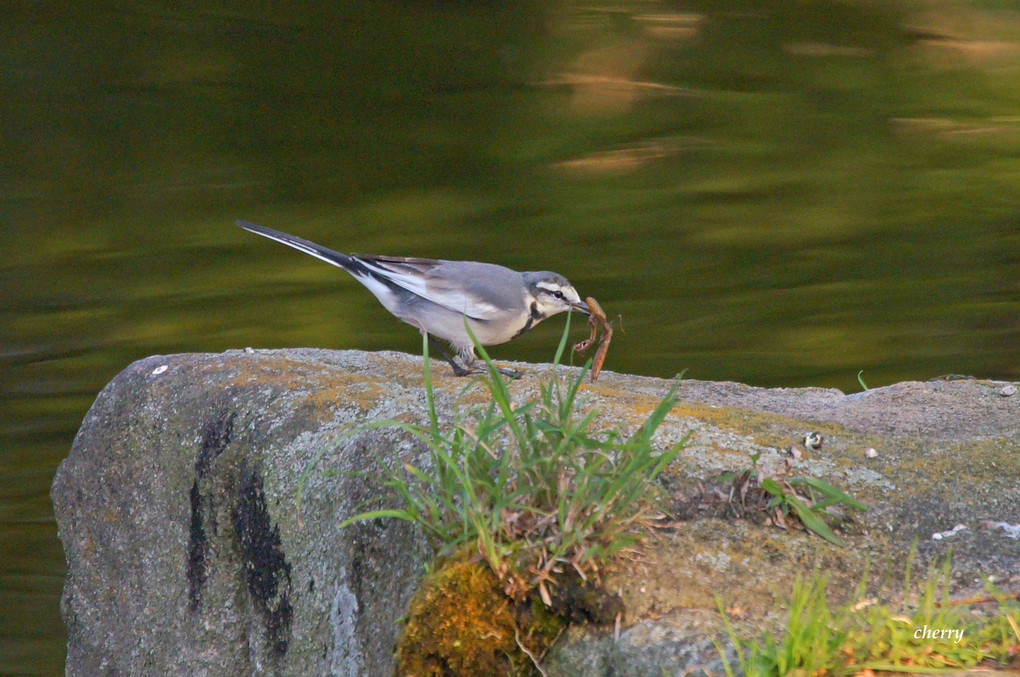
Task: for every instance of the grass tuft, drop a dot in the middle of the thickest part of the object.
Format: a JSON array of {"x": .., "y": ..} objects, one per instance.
[
  {"x": 786, "y": 502},
  {"x": 536, "y": 488},
  {"x": 927, "y": 633}
]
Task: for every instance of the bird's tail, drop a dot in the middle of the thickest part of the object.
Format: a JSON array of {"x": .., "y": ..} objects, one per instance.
[{"x": 345, "y": 261}]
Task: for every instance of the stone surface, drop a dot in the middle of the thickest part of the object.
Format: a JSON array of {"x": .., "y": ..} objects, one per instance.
[{"x": 189, "y": 554}]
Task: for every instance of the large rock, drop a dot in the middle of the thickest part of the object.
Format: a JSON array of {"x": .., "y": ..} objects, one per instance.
[{"x": 189, "y": 554}]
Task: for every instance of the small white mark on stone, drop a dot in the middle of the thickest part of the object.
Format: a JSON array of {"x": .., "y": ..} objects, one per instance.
[
  {"x": 946, "y": 534},
  {"x": 160, "y": 369},
  {"x": 1008, "y": 391},
  {"x": 871, "y": 452},
  {"x": 1012, "y": 530}
]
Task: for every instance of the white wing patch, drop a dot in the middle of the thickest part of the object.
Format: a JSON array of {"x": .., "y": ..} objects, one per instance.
[
  {"x": 410, "y": 277},
  {"x": 402, "y": 276}
]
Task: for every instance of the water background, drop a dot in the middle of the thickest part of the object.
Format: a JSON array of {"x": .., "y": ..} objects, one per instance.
[{"x": 782, "y": 193}]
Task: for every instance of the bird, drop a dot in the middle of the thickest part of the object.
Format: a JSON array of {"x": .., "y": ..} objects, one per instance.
[{"x": 443, "y": 299}]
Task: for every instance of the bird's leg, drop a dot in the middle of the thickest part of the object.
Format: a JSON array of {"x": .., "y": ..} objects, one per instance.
[
  {"x": 464, "y": 367},
  {"x": 458, "y": 369}
]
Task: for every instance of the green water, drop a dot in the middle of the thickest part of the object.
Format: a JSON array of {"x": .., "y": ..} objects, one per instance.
[{"x": 779, "y": 193}]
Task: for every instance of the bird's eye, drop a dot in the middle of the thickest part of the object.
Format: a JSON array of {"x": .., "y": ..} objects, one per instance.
[{"x": 558, "y": 294}]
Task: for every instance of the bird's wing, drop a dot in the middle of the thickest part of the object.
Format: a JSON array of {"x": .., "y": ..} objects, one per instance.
[{"x": 482, "y": 291}]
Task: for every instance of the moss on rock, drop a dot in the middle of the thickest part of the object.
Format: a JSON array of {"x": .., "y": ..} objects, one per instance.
[{"x": 460, "y": 622}]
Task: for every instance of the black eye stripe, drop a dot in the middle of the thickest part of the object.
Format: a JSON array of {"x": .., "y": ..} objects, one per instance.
[{"x": 558, "y": 293}]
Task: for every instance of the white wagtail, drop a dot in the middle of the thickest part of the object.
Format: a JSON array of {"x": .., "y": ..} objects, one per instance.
[{"x": 437, "y": 297}]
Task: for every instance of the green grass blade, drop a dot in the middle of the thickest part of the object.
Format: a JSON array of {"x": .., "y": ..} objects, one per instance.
[
  {"x": 373, "y": 514},
  {"x": 812, "y": 521},
  {"x": 771, "y": 486},
  {"x": 563, "y": 340},
  {"x": 429, "y": 394},
  {"x": 830, "y": 491}
]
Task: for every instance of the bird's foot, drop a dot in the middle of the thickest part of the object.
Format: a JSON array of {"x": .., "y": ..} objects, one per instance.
[
  {"x": 462, "y": 367},
  {"x": 478, "y": 367},
  {"x": 512, "y": 374},
  {"x": 462, "y": 370}
]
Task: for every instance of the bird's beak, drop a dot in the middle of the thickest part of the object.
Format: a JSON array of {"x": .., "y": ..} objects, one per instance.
[{"x": 580, "y": 305}]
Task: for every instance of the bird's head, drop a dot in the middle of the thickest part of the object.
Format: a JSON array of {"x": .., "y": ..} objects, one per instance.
[{"x": 551, "y": 293}]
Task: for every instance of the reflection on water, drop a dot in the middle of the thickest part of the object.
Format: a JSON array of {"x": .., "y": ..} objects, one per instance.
[{"x": 778, "y": 193}]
